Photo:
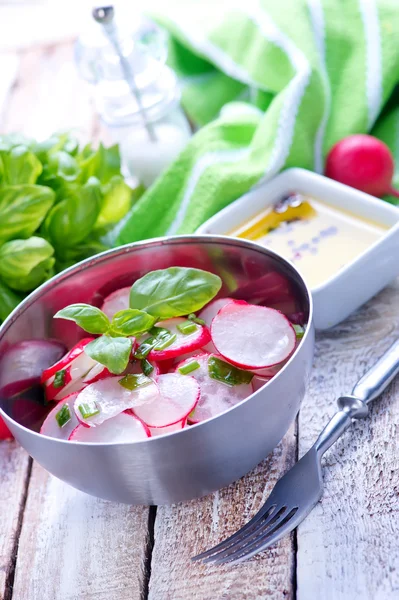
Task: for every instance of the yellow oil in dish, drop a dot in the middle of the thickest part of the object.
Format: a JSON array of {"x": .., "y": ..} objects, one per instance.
[{"x": 319, "y": 239}]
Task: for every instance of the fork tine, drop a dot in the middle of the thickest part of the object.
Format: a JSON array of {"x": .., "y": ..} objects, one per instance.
[
  {"x": 263, "y": 541},
  {"x": 272, "y": 519},
  {"x": 241, "y": 545},
  {"x": 268, "y": 507}
]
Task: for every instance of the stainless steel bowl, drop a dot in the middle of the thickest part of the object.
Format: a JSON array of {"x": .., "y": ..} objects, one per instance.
[{"x": 201, "y": 458}]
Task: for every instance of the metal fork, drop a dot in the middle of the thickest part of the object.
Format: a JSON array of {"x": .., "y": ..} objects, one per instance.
[{"x": 299, "y": 490}]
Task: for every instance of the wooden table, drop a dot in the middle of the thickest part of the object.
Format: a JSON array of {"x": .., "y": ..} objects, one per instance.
[{"x": 59, "y": 544}]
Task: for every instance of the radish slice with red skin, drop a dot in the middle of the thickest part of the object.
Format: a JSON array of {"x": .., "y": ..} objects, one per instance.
[
  {"x": 157, "y": 431},
  {"x": 111, "y": 398},
  {"x": 183, "y": 343},
  {"x": 259, "y": 382},
  {"x": 96, "y": 373},
  {"x": 66, "y": 360},
  {"x": 210, "y": 311},
  {"x": 50, "y": 425},
  {"x": 178, "y": 396},
  {"x": 180, "y": 359},
  {"x": 252, "y": 337},
  {"x": 216, "y": 397},
  {"x": 75, "y": 373},
  {"x": 124, "y": 427},
  {"x": 118, "y": 300}
]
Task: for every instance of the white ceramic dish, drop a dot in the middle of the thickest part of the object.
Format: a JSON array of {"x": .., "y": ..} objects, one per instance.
[{"x": 363, "y": 277}]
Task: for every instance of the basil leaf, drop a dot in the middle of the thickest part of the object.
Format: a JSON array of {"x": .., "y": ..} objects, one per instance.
[
  {"x": 20, "y": 166},
  {"x": 102, "y": 163},
  {"x": 62, "y": 164},
  {"x": 131, "y": 322},
  {"x": 8, "y": 301},
  {"x": 25, "y": 264},
  {"x": 226, "y": 373},
  {"x": 89, "y": 318},
  {"x": 112, "y": 352},
  {"x": 22, "y": 209},
  {"x": 70, "y": 221},
  {"x": 173, "y": 292},
  {"x": 117, "y": 200}
]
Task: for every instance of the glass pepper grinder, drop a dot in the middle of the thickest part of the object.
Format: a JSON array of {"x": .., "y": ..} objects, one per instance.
[{"x": 136, "y": 94}]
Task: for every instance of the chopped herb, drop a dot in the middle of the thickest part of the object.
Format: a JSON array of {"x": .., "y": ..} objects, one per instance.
[
  {"x": 59, "y": 379},
  {"x": 187, "y": 327},
  {"x": 146, "y": 367},
  {"x": 226, "y": 373},
  {"x": 132, "y": 382},
  {"x": 88, "y": 409},
  {"x": 193, "y": 317},
  {"x": 163, "y": 337},
  {"x": 189, "y": 367},
  {"x": 63, "y": 416},
  {"x": 299, "y": 330},
  {"x": 159, "y": 339}
]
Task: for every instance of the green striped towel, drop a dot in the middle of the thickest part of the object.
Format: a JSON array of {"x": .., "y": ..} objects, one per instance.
[{"x": 274, "y": 84}]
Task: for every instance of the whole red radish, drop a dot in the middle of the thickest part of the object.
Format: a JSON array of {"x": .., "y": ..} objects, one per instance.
[{"x": 363, "y": 162}]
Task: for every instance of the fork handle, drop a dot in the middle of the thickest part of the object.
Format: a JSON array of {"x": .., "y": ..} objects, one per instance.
[{"x": 354, "y": 406}]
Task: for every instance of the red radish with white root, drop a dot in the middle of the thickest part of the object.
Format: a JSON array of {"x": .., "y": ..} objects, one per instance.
[
  {"x": 178, "y": 396},
  {"x": 195, "y": 337},
  {"x": 124, "y": 427},
  {"x": 62, "y": 420},
  {"x": 362, "y": 162},
  {"x": 118, "y": 300},
  {"x": 252, "y": 337},
  {"x": 215, "y": 396},
  {"x": 107, "y": 398}
]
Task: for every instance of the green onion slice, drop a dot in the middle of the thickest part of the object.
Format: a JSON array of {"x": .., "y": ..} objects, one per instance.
[
  {"x": 189, "y": 367},
  {"x": 187, "y": 327},
  {"x": 146, "y": 367},
  {"x": 222, "y": 371},
  {"x": 88, "y": 409},
  {"x": 63, "y": 416},
  {"x": 59, "y": 379},
  {"x": 132, "y": 382},
  {"x": 195, "y": 319},
  {"x": 299, "y": 330}
]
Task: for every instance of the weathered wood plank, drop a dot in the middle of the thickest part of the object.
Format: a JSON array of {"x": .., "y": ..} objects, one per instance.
[
  {"x": 74, "y": 546},
  {"x": 14, "y": 473},
  {"x": 348, "y": 547},
  {"x": 181, "y": 531}
]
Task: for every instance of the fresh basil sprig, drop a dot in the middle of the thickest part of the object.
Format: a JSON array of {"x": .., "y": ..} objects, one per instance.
[
  {"x": 88, "y": 317},
  {"x": 174, "y": 292},
  {"x": 131, "y": 322}
]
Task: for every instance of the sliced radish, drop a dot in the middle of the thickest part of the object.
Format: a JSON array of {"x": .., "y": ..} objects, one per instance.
[
  {"x": 259, "y": 382},
  {"x": 124, "y": 427},
  {"x": 252, "y": 337},
  {"x": 64, "y": 409},
  {"x": 116, "y": 301},
  {"x": 66, "y": 360},
  {"x": 110, "y": 398},
  {"x": 210, "y": 311},
  {"x": 178, "y": 396},
  {"x": 74, "y": 367},
  {"x": 183, "y": 342},
  {"x": 157, "y": 431},
  {"x": 180, "y": 359},
  {"x": 96, "y": 373},
  {"x": 216, "y": 397}
]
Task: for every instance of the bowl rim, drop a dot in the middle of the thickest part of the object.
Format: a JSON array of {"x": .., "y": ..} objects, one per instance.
[{"x": 125, "y": 249}]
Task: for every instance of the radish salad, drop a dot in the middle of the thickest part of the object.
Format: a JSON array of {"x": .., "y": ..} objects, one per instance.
[{"x": 160, "y": 356}]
